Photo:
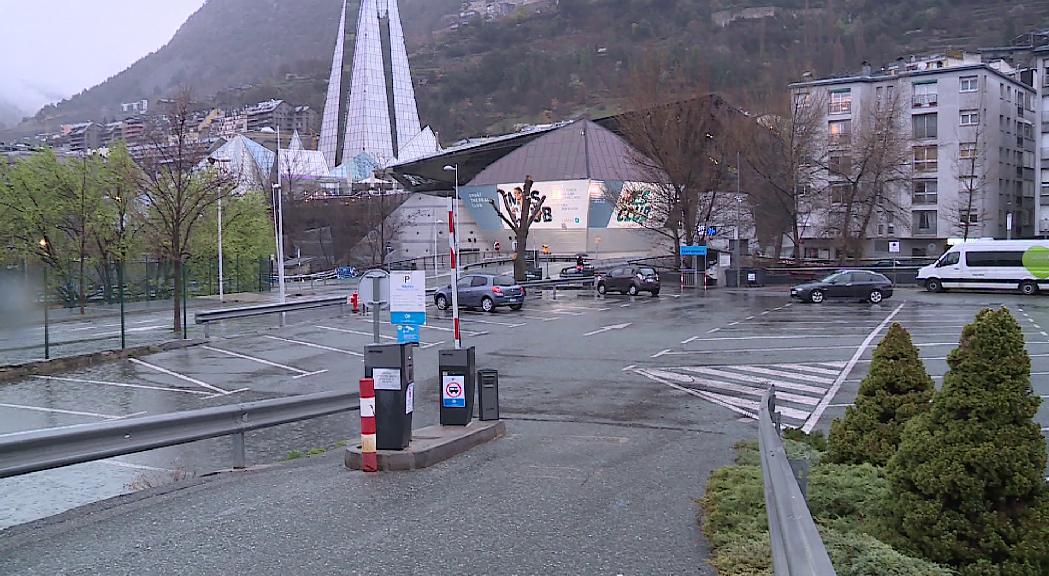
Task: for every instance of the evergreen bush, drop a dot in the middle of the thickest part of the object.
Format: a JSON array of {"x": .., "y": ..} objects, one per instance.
[
  {"x": 896, "y": 390},
  {"x": 967, "y": 484}
]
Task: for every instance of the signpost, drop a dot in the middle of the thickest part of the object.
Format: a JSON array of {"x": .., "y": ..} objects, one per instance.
[
  {"x": 374, "y": 290},
  {"x": 696, "y": 251},
  {"x": 894, "y": 248},
  {"x": 408, "y": 303}
]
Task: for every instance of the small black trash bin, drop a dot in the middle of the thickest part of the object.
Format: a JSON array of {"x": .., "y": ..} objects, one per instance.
[{"x": 488, "y": 394}]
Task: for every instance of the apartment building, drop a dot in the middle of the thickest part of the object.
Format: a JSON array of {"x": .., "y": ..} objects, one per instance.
[{"x": 970, "y": 167}]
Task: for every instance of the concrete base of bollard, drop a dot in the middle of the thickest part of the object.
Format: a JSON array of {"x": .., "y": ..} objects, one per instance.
[{"x": 431, "y": 445}]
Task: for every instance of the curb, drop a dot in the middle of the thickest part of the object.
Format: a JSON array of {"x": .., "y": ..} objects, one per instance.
[
  {"x": 431, "y": 445},
  {"x": 56, "y": 365}
]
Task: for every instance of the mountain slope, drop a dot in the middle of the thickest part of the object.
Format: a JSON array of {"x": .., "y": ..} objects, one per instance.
[{"x": 551, "y": 59}]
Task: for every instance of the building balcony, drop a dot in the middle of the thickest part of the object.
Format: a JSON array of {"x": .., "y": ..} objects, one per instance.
[{"x": 924, "y": 100}]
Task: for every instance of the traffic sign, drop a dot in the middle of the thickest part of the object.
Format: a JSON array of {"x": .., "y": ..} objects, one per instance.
[
  {"x": 894, "y": 247},
  {"x": 407, "y": 334},
  {"x": 693, "y": 250},
  {"x": 408, "y": 297},
  {"x": 712, "y": 231},
  {"x": 366, "y": 288},
  {"x": 453, "y": 391},
  {"x": 498, "y": 246}
]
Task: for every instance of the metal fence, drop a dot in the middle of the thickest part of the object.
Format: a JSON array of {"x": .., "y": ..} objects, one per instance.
[
  {"x": 797, "y": 549},
  {"x": 37, "y": 450}
]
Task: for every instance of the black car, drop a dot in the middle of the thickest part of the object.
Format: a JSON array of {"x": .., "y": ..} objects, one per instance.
[
  {"x": 629, "y": 280},
  {"x": 578, "y": 272},
  {"x": 851, "y": 284}
]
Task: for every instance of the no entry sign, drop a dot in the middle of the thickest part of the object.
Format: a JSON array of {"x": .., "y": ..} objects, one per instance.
[{"x": 453, "y": 391}]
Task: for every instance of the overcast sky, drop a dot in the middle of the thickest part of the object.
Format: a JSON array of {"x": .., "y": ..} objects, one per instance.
[{"x": 53, "y": 49}]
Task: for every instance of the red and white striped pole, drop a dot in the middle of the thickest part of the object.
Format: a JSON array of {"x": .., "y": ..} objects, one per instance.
[
  {"x": 453, "y": 245},
  {"x": 369, "y": 460}
]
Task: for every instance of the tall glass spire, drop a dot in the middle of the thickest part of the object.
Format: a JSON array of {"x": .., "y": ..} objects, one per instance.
[{"x": 329, "y": 141}]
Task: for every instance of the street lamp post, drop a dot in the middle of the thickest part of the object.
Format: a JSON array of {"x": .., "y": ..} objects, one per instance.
[
  {"x": 279, "y": 233},
  {"x": 453, "y": 241},
  {"x": 739, "y": 262},
  {"x": 47, "y": 331},
  {"x": 222, "y": 292},
  {"x": 436, "y": 221}
]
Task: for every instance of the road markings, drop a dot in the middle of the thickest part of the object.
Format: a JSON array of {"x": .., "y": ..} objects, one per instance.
[
  {"x": 746, "y": 407},
  {"x": 720, "y": 386},
  {"x": 666, "y": 352},
  {"x": 609, "y": 328},
  {"x": 59, "y": 411},
  {"x": 789, "y": 337},
  {"x": 540, "y": 318},
  {"x": 385, "y": 323},
  {"x": 734, "y": 323},
  {"x": 182, "y": 377},
  {"x": 818, "y": 412},
  {"x": 470, "y": 320},
  {"x": 624, "y": 305},
  {"x": 318, "y": 346},
  {"x": 751, "y": 379},
  {"x": 692, "y": 339},
  {"x": 122, "y": 385},
  {"x": 301, "y": 373},
  {"x": 713, "y": 330},
  {"x": 388, "y": 337},
  {"x": 803, "y": 368},
  {"x": 629, "y": 368},
  {"x": 121, "y": 464}
]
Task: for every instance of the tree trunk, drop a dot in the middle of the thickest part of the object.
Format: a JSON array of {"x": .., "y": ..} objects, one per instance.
[
  {"x": 177, "y": 295},
  {"x": 520, "y": 264},
  {"x": 82, "y": 293}
]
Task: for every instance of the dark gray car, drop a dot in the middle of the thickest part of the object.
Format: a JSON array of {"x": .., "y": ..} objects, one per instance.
[
  {"x": 484, "y": 291},
  {"x": 629, "y": 280}
]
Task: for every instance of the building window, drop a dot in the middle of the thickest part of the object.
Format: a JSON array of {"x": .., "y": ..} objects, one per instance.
[
  {"x": 969, "y": 217},
  {"x": 924, "y": 192},
  {"x": 840, "y": 132},
  {"x": 891, "y": 229},
  {"x": 925, "y": 158},
  {"x": 840, "y": 164},
  {"x": 924, "y": 95},
  {"x": 925, "y": 222},
  {"x": 968, "y": 84},
  {"x": 838, "y": 193},
  {"x": 841, "y": 102},
  {"x": 970, "y": 117},
  {"x": 967, "y": 150},
  {"x": 924, "y": 125}
]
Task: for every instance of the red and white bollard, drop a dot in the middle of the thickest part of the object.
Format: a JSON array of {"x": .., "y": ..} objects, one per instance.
[
  {"x": 355, "y": 301},
  {"x": 452, "y": 246},
  {"x": 369, "y": 460}
]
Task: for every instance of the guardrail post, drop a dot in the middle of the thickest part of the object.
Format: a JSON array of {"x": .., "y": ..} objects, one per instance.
[
  {"x": 555, "y": 291},
  {"x": 239, "y": 460},
  {"x": 207, "y": 330}
]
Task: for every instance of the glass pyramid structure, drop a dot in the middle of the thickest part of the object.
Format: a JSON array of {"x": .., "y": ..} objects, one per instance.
[{"x": 376, "y": 116}]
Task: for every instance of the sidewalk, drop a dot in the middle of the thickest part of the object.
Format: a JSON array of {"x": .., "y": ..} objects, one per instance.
[{"x": 549, "y": 498}]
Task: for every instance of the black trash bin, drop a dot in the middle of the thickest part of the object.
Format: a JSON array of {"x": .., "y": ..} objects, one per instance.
[
  {"x": 457, "y": 371},
  {"x": 392, "y": 368},
  {"x": 488, "y": 394}
]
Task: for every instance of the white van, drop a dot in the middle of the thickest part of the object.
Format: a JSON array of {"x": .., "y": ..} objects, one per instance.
[{"x": 990, "y": 265}]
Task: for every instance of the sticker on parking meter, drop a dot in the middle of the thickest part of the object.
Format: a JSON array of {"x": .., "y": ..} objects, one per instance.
[
  {"x": 453, "y": 391},
  {"x": 409, "y": 399},
  {"x": 387, "y": 378}
]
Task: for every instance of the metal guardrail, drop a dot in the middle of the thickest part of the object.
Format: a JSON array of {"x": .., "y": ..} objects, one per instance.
[
  {"x": 208, "y": 316},
  {"x": 38, "y": 450},
  {"x": 797, "y": 549}
]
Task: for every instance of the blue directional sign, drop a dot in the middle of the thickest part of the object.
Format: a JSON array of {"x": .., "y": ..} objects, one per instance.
[
  {"x": 712, "y": 231},
  {"x": 407, "y": 334},
  {"x": 417, "y": 318},
  {"x": 693, "y": 250}
]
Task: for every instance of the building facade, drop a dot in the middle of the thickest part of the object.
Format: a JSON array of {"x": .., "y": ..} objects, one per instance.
[{"x": 969, "y": 165}]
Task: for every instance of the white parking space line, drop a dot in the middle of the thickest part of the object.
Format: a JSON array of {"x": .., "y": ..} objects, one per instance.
[
  {"x": 818, "y": 412},
  {"x": 301, "y": 373},
  {"x": 123, "y": 385},
  {"x": 721, "y": 386},
  {"x": 751, "y": 379},
  {"x": 788, "y": 337},
  {"x": 318, "y": 346},
  {"x": 692, "y": 339},
  {"x": 713, "y": 330},
  {"x": 182, "y": 377},
  {"x": 471, "y": 320},
  {"x": 803, "y": 368},
  {"x": 426, "y": 326},
  {"x": 59, "y": 411},
  {"x": 540, "y": 318},
  {"x": 566, "y": 312}
]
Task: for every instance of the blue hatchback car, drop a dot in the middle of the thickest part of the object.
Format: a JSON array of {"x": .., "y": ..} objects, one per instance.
[{"x": 484, "y": 291}]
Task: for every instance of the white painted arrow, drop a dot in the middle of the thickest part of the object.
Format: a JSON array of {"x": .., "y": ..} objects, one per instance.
[{"x": 609, "y": 328}]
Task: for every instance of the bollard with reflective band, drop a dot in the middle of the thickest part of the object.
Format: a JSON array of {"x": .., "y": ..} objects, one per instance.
[{"x": 369, "y": 461}]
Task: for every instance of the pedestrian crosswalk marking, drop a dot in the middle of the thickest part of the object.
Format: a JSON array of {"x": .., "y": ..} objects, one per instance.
[
  {"x": 800, "y": 388},
  {"x": 756, "y": 380}
]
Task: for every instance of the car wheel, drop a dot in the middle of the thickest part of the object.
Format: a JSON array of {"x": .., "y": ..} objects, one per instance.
[
  {"x": 655, "y": 293},
  {"x": 1028, "y": 288},
  {"x": 875, "y": 297},
  {"x": 601, "y": 288},
  {"x": 441, "y": 302},
  {"x": 632, "y": 290},
  {"x": 934, "y": 285},
  {"x": 516, "y": 306},
  {"x": 487, "y": 304},
  {"x": 816, "y": 296}
]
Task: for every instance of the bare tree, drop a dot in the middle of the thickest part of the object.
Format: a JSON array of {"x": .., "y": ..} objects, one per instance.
[
  {"x": 865, "y": 167},
  {"x": 967, "y": 210},
  {"x": 779, "y": 149},
  {"x": 177, "y": 188},
  {"x": 520, "y": 209}
]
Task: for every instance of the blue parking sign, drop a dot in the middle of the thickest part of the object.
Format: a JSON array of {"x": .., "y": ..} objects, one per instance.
[{"x": 407, "y": 334}]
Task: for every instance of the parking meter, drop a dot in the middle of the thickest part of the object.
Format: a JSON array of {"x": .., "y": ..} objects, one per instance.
[
  {"x": 392, "y": 368},
  {"x": 457, "y": 373}
]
